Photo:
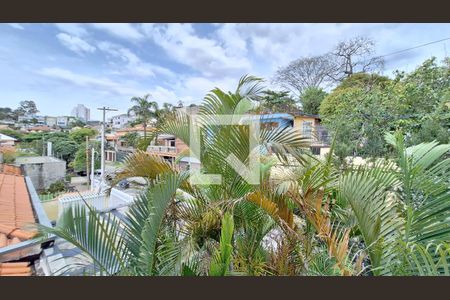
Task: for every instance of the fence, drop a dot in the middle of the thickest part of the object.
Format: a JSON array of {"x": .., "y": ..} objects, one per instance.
[
  {"x": 50, "y": 196},
  {"x": 98, "y": 201}
]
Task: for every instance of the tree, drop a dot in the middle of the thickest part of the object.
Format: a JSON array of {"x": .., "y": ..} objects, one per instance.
[
  {"x": 273, "y": 101},
  {"x": 305, "y": 73},
  {"x": 311, "y": 99},
  {"x": 65, "y": 149},
  {"x": 79, "y": 135},
  {"x": 358, "y": 112},
  {"x": 149, "y": 245},
  {"x": 12, "y": 133},
  {"x": 131, "y": 138},
  {"x": 353, "y": 56},
  {"x": 305, "y": 217},
  {"x": 27, "y": 107},
  {"x": 77, "y": 123},
  {"x": 7, "y": 113},
  {"x": 79, "y": 162},
  {"x": 144, "y": 111}
]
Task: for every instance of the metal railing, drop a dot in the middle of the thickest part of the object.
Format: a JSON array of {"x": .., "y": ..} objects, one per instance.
[
  {"x": 163, "y": 149},
  {"x": 318, "y": 135},
  {"x": 100, "y": 202}
]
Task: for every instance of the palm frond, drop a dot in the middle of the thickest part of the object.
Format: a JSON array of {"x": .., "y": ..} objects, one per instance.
[{"x": 221, "y": 260}]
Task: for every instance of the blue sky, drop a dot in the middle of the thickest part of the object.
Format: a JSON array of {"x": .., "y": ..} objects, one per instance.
[{"x": 61, "y": 65}]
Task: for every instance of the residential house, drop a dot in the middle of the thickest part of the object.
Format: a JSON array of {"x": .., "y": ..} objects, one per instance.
[
  {"x": 167, "y": 146},
  {"x": 310, "y": 127},
  {"x": 6, "y": 140},
  {"x": 121, "y": 121}
]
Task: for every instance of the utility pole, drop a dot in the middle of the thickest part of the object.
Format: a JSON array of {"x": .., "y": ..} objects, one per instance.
[
  {"x": 87, "y": 160},
  {"x": 92, "y": 167},
  {"x": 102, "y": 161}
]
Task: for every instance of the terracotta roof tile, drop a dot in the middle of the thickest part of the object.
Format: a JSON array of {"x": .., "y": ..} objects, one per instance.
[
  {"x": 15, "y": 210},
  {"x": 15, "y": 269}
]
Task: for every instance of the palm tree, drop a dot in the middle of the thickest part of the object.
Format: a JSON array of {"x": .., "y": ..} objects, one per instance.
[
  {"x": 306, "y": 216},
  {"x": 150, "y": 242},
  {"x": 144, "y": 110}
]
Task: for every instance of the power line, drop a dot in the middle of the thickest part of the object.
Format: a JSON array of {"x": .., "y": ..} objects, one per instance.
[{"x": 415, "y": 47}]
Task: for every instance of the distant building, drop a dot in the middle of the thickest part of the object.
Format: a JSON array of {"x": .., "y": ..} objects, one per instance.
[
  {"x": 82, "y": 112},
  {"x": 64, "y": 121},
  {"x": 51, "y": 121},
  {"x": 32, "y": 119},
  {"x": 190, "y": 110},
  {"x": 121, "y": 121}
]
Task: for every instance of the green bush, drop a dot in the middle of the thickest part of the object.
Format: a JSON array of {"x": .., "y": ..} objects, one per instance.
[{"x": 56, "y": 187}]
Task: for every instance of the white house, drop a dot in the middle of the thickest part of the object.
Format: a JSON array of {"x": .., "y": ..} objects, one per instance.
[
  {"x": 121, "y": 121},
  {"x": 6, "y": 140}
]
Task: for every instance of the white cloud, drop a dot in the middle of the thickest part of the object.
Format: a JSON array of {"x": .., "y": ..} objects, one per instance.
[
  {"x": 99, "y": 84},
  {"x": 134, "y": 65},
  {"x": 75, "y": 43},
  {"x": 72, "y": 28},
  {"x": 204, "y": 55},
  {"x": 16, "y": 26},
  {"x": 121, "y": 30}
]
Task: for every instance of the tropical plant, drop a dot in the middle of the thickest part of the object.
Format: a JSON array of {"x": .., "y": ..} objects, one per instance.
[
  {"x": 306, "y": 216},
  {"x": 144, "y": 110}
]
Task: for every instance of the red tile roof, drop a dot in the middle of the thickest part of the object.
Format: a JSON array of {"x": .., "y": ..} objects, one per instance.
[
  {"x": 15, "y": 269},
  {"x": 10, "y": 169},
  {"x": 15, "y": 210}
]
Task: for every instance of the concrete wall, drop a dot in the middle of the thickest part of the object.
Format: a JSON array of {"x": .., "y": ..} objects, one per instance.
[{"x": 42, "y": 171}]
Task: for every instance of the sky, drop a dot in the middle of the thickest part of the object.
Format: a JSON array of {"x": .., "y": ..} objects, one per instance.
[{"x": 61, "y": 65}]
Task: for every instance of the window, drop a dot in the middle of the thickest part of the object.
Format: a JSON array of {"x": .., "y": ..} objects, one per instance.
[{"x": 307, "y": 129}]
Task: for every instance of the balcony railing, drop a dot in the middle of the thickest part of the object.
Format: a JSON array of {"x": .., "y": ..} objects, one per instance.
[
  {"x": 162, "y": 149},
  {"x": 318, "y": 134}
]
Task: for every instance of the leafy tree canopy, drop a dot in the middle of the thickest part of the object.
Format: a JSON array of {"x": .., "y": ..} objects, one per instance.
[
  {"x": 311, "y": 99},
  {"x": 79, "y": 135}
]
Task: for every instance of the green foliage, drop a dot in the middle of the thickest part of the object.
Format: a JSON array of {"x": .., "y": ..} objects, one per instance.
[
  {"x": 56, "y": 187},
  {"x": 143, "y": 143},
  {"x": 7, "y": 113},
  {"x": 365, "y": 106},
  {"x": 77, "y": 123},
  {"x": 9, "y": 154},
  {"x": 131, "y": 138},
  {"x": 307, "y": 216},
  {"x": 273, "y": 101},
  {"x": 79, "y": 135},
  {"x": 79, "y": 162},
  {"x": 65, "y": 149},
  {"x": 27, "y": 107},
  {"x": 12, "y": 133},
  {"x": 220, "y": 263},
  {"x": 311, "y": 98}
]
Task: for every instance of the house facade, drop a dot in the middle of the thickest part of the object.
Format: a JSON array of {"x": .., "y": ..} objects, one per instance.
[
  {"x": 310, "y": 127},
  {"x": 121, "y": 121}
]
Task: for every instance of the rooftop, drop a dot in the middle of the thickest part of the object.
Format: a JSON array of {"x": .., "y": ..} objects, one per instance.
[
  {"x": 4, "y": 137},
  {"x": 16, "y": 213},
  {"x": 36, "y": 160}
]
